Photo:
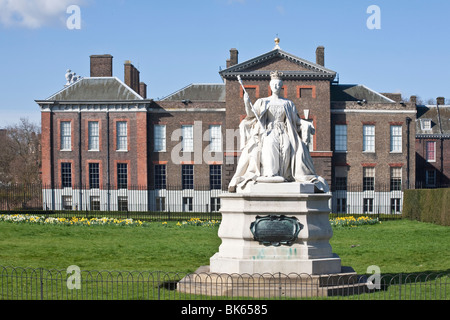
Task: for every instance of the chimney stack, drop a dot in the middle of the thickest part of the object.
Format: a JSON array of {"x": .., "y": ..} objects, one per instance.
[
  {"x": 233, "y": 58},
  {"x": 101, "y": 65},
  {"x": 320, "y": 56},
  {"x": 440, "y": 100},
  {"x": 143, "y": 90},
  {"x": 131, "y": 76}
]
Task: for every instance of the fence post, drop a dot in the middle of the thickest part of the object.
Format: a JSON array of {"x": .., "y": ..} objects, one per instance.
[
  {"x": 41, "y": 280},
  {"x": 159, "y": 286}
]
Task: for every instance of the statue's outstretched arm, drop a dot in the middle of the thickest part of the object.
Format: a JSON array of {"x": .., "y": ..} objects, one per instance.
[{"x": 248, "y": 106}]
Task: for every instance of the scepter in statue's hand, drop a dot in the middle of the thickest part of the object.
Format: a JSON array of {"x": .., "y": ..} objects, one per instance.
[{"x": 251, "y": 105}]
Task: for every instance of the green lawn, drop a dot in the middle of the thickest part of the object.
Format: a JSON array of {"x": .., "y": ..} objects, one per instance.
[
  {"x": 154, "y": 248},
  {"x": 395, "y": 246}
]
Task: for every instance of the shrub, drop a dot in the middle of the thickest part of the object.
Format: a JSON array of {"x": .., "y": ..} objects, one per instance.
[{"x": 427, "y": 205}]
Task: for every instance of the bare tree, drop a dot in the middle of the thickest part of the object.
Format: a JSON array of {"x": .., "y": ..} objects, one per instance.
[{"x": 20, "y": 153}]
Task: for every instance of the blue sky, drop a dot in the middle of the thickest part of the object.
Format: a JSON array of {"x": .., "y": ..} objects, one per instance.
[{"x": 175, "y": 43}]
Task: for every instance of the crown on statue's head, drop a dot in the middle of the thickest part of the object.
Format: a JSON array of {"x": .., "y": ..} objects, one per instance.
[{"x": 276, "y": 75}]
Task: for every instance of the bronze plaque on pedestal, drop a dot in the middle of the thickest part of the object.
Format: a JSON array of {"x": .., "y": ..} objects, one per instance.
[{"x": 276, "y": 230}]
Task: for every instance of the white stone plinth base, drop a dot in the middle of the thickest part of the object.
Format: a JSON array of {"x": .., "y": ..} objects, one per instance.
[
  {"x": 311, "y": 253},
  {"x": 203, "y": 282}
]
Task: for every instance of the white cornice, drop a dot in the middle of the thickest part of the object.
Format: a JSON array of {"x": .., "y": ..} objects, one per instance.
[
  {"x": 50, "y": 106},
  {"x": 341, "y": 111}
]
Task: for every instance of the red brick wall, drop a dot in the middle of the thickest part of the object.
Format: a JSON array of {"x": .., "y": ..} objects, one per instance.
[
  {"x": 46, "y": 135},
  {"x": 382, "y": 158},
  {"x": 176, "y": 116}
]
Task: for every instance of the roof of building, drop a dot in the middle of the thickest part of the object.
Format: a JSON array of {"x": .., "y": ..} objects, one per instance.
[
  {"x": 199, "y": 92},
  {"x": 307, "y": 69},
  {"x": 96, "y": 89},
  {"x": 216, "y": 92},
  {"x": 355, "y": 92},
  {"x": 438, "y": 117}
]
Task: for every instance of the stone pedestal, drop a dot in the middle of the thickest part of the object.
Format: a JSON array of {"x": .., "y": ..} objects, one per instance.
[
  {"x": 244, "y": 267},
  {"x": 311, "y": 253}
]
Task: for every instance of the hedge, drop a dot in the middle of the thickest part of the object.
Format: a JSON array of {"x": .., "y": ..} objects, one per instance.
[{"x": 427, "y": 205}]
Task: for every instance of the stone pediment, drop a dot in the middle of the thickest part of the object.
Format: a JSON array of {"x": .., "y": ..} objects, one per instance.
[
  {"x": 292, "y": 67},
  {"x": 96, "y": 89}
]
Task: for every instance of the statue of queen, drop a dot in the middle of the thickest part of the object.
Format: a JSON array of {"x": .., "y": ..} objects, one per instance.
[{"x": 274, "y": 143}]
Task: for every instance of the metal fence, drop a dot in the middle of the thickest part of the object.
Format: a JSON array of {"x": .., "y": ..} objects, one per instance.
[
  {"x": 175, "y": 202},
  {"x": 44, "y": 284}
]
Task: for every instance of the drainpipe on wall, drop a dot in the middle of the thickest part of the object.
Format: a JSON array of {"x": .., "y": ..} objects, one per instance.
[
  {"x": 107, "y": 162},
  {"x": 441, "y": 132},
  {"x": 80, "y": 163},
  {"x": 52, "y": 159},
  {"x": 408, "y": 146}
]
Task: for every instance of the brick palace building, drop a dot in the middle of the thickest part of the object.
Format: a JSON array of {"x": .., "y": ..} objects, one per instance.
[{"x": 106, "y": 146}]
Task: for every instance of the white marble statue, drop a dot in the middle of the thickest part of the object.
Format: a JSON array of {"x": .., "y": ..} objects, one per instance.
[
  {"x": 71, "y": 77},
  {"x": 274, "y": 143}
]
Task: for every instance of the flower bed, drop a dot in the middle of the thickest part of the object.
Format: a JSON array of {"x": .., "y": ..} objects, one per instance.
[
  {"x": 24, "y": 218},
  {"x": 199, "y": 222},
  {"x": 353, "y": 222}
]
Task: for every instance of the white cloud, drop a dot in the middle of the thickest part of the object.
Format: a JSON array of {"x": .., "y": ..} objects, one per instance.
[
  {"x": 281, "y": 10},
  {"x": 34, "y": 13}
]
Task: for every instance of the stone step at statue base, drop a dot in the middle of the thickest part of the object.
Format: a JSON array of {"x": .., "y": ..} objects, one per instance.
[{"x": 204, "y": 283}]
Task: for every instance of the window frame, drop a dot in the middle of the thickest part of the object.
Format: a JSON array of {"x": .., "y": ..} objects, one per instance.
[
  {"x": 340, "y": 144},
  {"x": 426, "y": 124},
  {"x": 65, "y": 200},
  {"x": 122, "y": 203},
  {"x": 122, "y": 176},
  {"x": 215, "y": 138},
  {"x": 121, "y": 137},
  {"x": 395, "y": 181},
  {"x": 396, "y": 139},
  {"x": 427, "y": 151},
  {"x": 187, "y": 176},
  {"x": 369, "y": 138},
  {"x": 160, "y": 176},
  {"x": 65, "y": 134},
  {"x": 93, "y": 138},
  {"x": 368, "y": 180},
  {"x": 187, "y": 138},
  {"x": 214, "y": 204},
  {"x": 94, "y": 203},
  {"x": 432, "y": 178},
  {"x": 66, "y": 175},
  {"x": 188, "y": 202},
  {"x": 215, "y": 177},
  {"x": 160, "y": 204},
  {"x": 159, "y": 138},
  {"x": 368, "y": 205},
  {"x": 94, "y": 175}
]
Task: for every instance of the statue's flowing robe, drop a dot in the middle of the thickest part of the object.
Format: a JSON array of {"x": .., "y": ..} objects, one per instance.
[{"x": 299, "y": 162}]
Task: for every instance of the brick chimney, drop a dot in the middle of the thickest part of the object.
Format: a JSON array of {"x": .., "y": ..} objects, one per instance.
[
  {"x": 234, "y": 54},
  {"x": 101, "y": 65},
  {"x": 440, "y": 100},
  {"x": 131, "y": 76},
  {"x": 143, "y": 90},
  {"x": 320, "y": 56}
]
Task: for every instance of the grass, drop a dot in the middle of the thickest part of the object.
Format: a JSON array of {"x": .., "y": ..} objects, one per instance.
[
  {"x": 395, "y": 246},
  {"x": 401, "y": 246},
  {"x": 157, "y": 247}
]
